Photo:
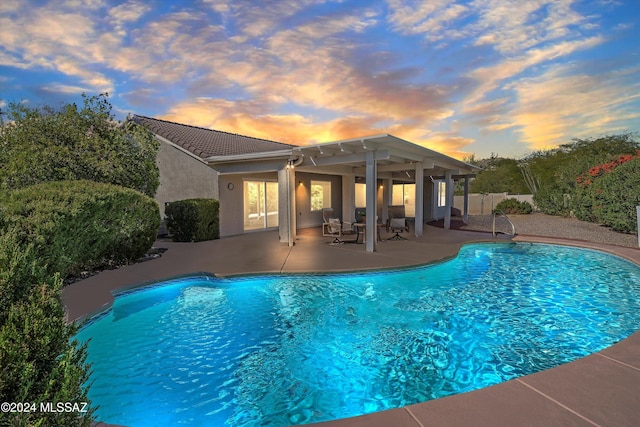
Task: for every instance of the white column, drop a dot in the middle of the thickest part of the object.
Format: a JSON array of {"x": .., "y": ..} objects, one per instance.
[
  {"x": 371, "y": 176},
  {"x": 465, "y": 212},
  {"x": 419, "y": 199},
  {"x": 448, "y": 198},
  {"x": 287, "y": 205}
]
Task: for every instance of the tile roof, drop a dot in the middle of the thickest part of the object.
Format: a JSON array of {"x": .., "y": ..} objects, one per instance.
[{"x": 208, "y": 142}]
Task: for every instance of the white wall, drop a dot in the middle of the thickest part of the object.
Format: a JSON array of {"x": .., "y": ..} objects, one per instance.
[{"x": 483, "y": 204}]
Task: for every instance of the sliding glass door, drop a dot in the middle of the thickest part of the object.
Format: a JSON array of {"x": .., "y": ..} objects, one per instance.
[{"x": 260, "y": 204}]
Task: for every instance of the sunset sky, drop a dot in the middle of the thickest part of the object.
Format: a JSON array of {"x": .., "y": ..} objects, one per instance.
[{"x": 461, "y": 77}]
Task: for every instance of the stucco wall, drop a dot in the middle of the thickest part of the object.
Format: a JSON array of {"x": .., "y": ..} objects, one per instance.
[
  {"x": 232, "y": 206},
  {"x": 232, "y": 202},
  {"x": 305, "y": 217},
  {"x": 183, "y": 177}
]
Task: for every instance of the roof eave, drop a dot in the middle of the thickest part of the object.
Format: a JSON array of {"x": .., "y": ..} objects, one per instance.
[{"x": 265, "y": 155}]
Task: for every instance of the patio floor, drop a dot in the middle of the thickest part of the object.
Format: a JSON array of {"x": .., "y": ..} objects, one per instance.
[{"x": 602, "y": 389}]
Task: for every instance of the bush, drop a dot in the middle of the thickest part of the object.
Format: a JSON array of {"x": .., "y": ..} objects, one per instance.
[
  {"x": 69, "y": 143},
  {"x": 553, "y": 199},
  {"x": 555, "y": 172},
  {"x": 40, "y": 361},
  {"x": 615, "y": 195},
  {"x": 513, "y": 206},
  {"x": 81, "y": 225},
  {"x": 193, "y": 220}
]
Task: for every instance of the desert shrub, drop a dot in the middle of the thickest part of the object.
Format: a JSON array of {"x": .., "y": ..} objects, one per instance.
[
  {"x": 614, "y": 197},
  {"x": 80, "y": 225},
  {"x": 514, "y": 206},
  {"x": 40, "y": 361},
  {"x": 555, "y": 172},
  {"x": 193, "y": 220},
  {"x": 553, "y": 199}
]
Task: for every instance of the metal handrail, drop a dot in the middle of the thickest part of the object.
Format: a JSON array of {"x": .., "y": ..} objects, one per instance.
[{"x": 501, "y": 213}]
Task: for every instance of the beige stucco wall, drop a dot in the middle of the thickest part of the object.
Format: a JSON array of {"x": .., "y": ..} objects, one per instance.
[
  {"x": 183, "y": 177},
  {"x": 232, "y": 202},
  {"x": 306, "y": 217},
  {"x": 232, "y": 205}
]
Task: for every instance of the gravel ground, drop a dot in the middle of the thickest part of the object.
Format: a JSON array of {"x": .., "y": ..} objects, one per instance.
[{"x": 539, "y": 224}]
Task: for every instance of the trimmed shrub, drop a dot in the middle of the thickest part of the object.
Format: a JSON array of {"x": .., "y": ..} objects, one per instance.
[
  {"x": 81, "y": 225},
  {"x": 513, "y": 206},
  {"x": 40, "y": 361},
  {"x": 193, "y": 220}
]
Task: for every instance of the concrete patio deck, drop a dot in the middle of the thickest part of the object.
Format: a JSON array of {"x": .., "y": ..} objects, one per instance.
[{"x": 602, "y": 389}]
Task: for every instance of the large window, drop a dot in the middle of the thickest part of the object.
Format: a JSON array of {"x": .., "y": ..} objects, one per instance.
[
  {"x": 260, "y": 204},
  {"x": 405, "y": 194},
  {"x": 320, "y": 195},
  {"x": 361, "y": 195},
  {"x": 442, "y": 194}
]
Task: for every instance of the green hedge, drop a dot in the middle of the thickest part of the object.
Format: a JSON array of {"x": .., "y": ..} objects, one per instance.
[
  {"x": 193, "y": 220},
  {"x": 513, "y": 206},
  {"x": 81, "y": 225}
]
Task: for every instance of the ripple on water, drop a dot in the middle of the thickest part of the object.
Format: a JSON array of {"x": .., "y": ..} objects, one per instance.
[{"x": 280, "y": 350}]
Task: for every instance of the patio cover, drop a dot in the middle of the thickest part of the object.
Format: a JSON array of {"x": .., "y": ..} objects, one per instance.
[{"x": 373, "y": 157}]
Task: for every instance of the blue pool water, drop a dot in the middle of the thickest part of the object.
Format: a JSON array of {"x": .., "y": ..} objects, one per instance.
[{"x": 280, "y": 350}]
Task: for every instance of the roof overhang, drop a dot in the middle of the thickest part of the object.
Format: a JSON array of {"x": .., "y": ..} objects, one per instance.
[
  {"x": 394, "y": 155},
  {"x": 395, "y": 158},
  {"x": 250, "y": 162}
]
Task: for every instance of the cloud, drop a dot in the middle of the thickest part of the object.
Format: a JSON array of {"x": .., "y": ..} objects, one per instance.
[
  {"x": 433, "y": 18},
  {"x": 65, "y": 89},
  {"x": 50, "y": 38},
  {"x": 490, "y": 78},
  {"x": 126, "y": 13},
  {"x": 561, "y": 103}
]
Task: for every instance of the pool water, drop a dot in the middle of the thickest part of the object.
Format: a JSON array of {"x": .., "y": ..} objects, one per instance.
[{"x": 292, "y": 349}]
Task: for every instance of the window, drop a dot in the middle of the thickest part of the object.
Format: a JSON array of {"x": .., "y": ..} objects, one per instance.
[
  {"x": 260, "y": 204},
  {"x": 320, "y": 195},
  {"x": 442, "y": 194},
  {"x": 361, "y": 195},
  {"x": 405, "y": 194}
]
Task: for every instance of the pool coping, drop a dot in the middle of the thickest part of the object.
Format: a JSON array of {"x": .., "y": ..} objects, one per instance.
[{"x": 597, "y": 390}]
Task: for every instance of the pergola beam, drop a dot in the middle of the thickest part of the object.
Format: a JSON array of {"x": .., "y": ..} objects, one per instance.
[{"x": 341, "y": 159}]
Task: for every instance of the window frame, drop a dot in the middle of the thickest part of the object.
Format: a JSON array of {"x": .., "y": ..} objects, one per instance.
[{"x": 326, "y": 195}]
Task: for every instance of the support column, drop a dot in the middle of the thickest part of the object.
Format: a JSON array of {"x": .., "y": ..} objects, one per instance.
[
  {"x": 448, "y": 198},
  {"x": 371, "y": 176},
  {"x": 465, "y": 213},
  {"x": 287, "y": 205},
  {"x": 419, "y": 200}
]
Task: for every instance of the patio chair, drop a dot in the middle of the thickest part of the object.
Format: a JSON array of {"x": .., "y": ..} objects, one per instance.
[
  {"x": 333, "y": 227},
  {"x": 397, "y": 222},
  {"x": 361, "y": 218}
]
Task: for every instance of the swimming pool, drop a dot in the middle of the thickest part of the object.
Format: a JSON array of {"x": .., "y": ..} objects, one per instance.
[{"x": 280, "y": 350}]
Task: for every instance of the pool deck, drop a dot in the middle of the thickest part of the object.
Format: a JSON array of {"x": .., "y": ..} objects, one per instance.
[{"x": 602, "y": 389}]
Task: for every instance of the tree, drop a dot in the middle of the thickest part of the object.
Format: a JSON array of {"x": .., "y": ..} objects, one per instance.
[
  {"x": 46, "y": 144},
  {"x": 500, "y": 175}
]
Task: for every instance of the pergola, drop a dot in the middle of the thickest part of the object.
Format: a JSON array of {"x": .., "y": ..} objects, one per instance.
[{"x": 380, "y": 157}]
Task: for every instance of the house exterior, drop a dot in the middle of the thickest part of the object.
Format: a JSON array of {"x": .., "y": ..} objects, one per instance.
[{"x": 265, "y": 184}]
